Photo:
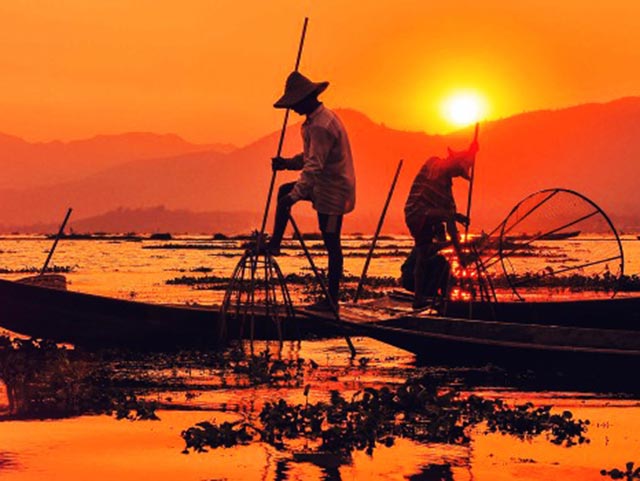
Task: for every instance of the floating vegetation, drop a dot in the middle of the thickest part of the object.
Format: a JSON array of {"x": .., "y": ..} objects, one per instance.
[
  {"x": 202, "y": 269},
  {"x": 193, "y": 246},
  {"x": 574, "y": 282},
  {"x": 99, "y": 236},
  {"x": 36, "y": 270},
  {"x": 421, "y": 409},
  {"x": 46, "y": 381},
  {"x": 264, "y": 369},
  {"x": 629, "y": 474},
  {"x": 311, "y": 289},
  {"x": 197, "y": 280}
]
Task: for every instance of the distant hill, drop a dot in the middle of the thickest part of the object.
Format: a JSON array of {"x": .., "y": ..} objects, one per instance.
[
  {"x": 157, "y": 219},
  {"x": 592, "y": 148},
  {"x": 151, "y": 220},
  {"x": 24, "y": 164}
]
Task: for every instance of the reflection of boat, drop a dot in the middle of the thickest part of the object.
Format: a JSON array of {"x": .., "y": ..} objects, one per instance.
[{"x": 97, "y": 321}]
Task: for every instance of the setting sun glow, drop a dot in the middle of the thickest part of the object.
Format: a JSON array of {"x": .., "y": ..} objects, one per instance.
[{"x": 464, "y": 108}]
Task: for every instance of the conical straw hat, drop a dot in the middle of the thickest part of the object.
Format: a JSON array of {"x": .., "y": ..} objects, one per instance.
[{"x": 297, "y": 88}]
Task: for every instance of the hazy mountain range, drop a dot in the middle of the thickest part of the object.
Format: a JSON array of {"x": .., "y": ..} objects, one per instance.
[{"x": 118, "y": 182}]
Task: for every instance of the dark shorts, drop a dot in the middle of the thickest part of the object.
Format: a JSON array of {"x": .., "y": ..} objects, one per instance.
[{"x": 426, "y": 232}]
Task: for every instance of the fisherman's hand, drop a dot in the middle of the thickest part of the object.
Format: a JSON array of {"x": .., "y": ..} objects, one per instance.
[
  {"x": 286, "y": 201},
  {"x": 462, "y": 219},
  {"x": 279, "y": 163}
]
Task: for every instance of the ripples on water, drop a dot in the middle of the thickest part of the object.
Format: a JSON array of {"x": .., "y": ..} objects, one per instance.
[{"x": 98, "y": 447}]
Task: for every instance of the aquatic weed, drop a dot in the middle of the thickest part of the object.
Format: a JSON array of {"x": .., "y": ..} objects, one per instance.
[
  {"x": 629, "y": 474},
  {"x": 421, "y": 409},
  {"x": 44, "y": 380}
]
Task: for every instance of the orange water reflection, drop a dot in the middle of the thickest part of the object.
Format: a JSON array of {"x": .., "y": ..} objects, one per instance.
[{"x": 100, "y": 448}]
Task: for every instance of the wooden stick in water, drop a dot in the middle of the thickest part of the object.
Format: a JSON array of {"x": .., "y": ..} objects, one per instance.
[
  {"x": 323, "y": 287},
  {"x": 55, "y": 242},
  {"x": 377, "y": 233},
  {"x": 282, "y": 134}
]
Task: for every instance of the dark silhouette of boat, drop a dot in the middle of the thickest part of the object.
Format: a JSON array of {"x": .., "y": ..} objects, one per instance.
[
  {"x": 96, "y": 321},
  {"x": 546, "y": 347},
  {"x": 539, "y": 333},
  {"x": 463, "y": 342}
]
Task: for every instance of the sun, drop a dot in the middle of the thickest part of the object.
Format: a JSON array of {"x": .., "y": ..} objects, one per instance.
[{"x": 464, "y": 108}]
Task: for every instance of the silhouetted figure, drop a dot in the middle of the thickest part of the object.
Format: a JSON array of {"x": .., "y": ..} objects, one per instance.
[
  {"x": 431, "y": 205},
  {"x": 436, "y": 275},
  {"x": 327, "y": 178}
]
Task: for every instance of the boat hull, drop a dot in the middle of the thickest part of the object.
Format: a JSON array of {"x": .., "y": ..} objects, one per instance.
[
  {"x": 96, "y": 321},
  {"x": 611, "y": 313}
]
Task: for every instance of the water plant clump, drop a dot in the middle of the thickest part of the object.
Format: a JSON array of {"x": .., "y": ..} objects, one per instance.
[
  {"x": 44, "y": 380},
  {"x": 629, "y": 474},
  {"x": 421, "y": 409},
  {"x": 55, "y": 269}
]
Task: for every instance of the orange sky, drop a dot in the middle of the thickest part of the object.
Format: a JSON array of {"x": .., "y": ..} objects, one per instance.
[{"x": 209, "y": 70}]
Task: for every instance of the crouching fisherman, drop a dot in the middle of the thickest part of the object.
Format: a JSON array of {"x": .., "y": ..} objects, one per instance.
[
  {"x": 430, "y": 208},
  {"x": 327, "y": 178}
]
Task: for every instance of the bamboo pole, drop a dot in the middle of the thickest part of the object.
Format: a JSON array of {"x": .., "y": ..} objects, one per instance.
[
  {"x": 55, "y": 242},
  {"x": 281, "y": 141},
  {"x": 377, "y": 233},
  {"x": 470, "y": 192}
]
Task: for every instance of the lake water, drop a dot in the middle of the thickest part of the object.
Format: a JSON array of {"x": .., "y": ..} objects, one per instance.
[{"x": 103, "y": 448}]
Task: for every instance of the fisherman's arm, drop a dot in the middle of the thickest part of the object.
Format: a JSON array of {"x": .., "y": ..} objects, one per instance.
[
  {"x": 452, "y": 228},
  {"x": 288, "y": 163}
]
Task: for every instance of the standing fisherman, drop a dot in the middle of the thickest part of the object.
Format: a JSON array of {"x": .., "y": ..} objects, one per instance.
[
  {"x": 327, "y": 178},
  {"x": 429, "y": 207}
]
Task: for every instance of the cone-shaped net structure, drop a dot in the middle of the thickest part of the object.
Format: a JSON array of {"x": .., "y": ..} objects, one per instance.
[{"x": 257, "y": 303}]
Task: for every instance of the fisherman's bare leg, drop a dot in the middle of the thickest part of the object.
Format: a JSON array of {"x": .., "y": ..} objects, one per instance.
[
  {"x": 282, "y": 217},
  {"x": 419, "y": 271},
  {"x": 331, "y": 226}
]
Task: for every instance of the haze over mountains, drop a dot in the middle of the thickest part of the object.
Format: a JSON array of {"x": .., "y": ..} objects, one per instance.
[{"x": 117, "y": 182}]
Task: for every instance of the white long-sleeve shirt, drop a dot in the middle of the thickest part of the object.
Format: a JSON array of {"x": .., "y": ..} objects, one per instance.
[{"x": 328, "y": 176}]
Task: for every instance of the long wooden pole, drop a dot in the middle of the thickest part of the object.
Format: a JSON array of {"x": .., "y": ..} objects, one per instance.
[
  {"x": 470, "y": 192},
  {"x": 55, "y": 242},
  {"x": 377, "y": 233},
  {"x": 320, "y": 280},
  {"x": 282, "y": 134}
]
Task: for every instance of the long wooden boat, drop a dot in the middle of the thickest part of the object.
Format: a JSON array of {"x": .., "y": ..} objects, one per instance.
[
  {"x": 605, "y": 313},
  {"x": 97, "y": 321},
  {"x": 438, "y": 340}
]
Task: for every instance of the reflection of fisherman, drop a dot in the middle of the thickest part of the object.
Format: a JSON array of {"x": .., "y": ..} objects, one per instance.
[
  {"x": 431, "y": 205},
  {"x": 327, "y": 178}
]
